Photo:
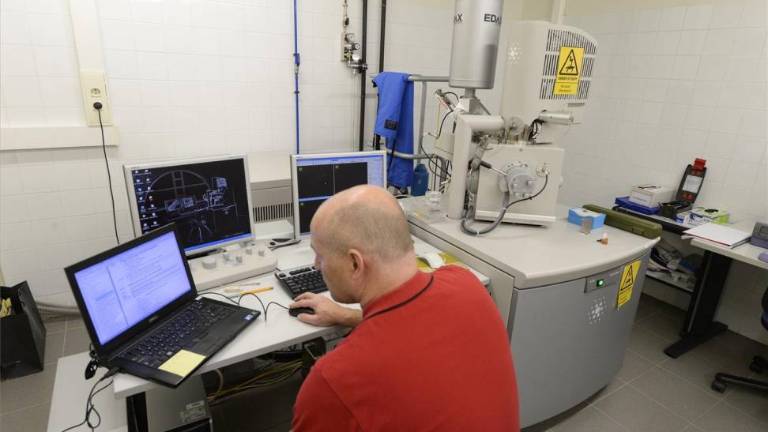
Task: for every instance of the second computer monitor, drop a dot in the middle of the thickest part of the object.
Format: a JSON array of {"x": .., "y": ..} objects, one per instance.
[{"x": 317, "y": 177}]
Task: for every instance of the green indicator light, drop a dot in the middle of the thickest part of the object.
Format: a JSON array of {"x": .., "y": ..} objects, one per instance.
[{"x": 600, "y": 282}]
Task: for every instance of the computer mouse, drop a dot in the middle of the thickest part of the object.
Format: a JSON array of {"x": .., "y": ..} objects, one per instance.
[
  {"x": 300, "y": 310},
  {"x": 433, "y": 259},
  {"x": 763, "y": 257}
]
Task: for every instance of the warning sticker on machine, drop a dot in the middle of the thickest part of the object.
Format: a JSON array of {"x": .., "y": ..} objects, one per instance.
[
  {"x": 568, "y": 70},
  {"x": 628, "y": 278}
]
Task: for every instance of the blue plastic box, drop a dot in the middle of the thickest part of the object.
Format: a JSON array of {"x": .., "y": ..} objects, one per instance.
[
  {"x": 577, "y": 214},
  {"x": 627, "y": 204}
]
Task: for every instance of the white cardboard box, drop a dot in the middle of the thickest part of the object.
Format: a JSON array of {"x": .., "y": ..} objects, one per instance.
[{"x": 650, "y": 195}]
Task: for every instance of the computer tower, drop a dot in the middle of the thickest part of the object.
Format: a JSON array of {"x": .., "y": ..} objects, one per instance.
[{"x": 183, "y": 409}]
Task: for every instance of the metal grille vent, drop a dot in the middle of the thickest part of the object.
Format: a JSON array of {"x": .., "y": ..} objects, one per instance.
[
  {"x": 272, "y": 212},
  {"x": 558, "y": 38},
  {"x": 597, "y": 310}
]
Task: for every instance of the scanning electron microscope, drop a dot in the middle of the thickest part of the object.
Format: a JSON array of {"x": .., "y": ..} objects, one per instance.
[
  {"x": 568, "y": 301},
  {"x": 507, "y": 167}
]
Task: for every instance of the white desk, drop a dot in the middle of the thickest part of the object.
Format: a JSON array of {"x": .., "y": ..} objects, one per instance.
[
  {"x": 70, "y": 390},
  {"x": 278, "y": 331},
  {"x": 746, "y": 253},
  {"x": 700, "y": 324}
]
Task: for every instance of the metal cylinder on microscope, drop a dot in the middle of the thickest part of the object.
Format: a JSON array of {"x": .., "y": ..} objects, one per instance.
[{"x": 476, "y": 27}]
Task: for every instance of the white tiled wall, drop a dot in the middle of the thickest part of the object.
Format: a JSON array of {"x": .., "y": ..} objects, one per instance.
[
  {"x": 673, "y": 84},
  {"x": 186, "y": 78},
  {"x": 38, "y": 67}
]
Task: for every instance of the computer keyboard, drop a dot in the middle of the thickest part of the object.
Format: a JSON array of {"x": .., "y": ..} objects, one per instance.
[
  {"x": 167, "y": 340},
  {"x": 301, "y": 280}
]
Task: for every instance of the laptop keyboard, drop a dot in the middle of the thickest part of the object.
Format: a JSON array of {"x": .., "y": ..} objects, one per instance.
[
  {"x": 301, "y": 280},
  {"x": 160, "y": 345}
]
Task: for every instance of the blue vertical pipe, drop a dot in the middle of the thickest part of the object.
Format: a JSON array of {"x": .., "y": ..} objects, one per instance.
[{"x": 296, "y": 64}]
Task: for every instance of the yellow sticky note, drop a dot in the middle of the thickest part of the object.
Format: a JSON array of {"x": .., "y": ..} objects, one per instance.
[
  {"x": 628, "y": 278},
  {"x": 182, "y": 363},
  {"x": 568, "y": 70}
]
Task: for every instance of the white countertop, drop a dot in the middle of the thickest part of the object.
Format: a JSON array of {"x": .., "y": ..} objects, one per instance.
[
  {"x": 746, "y": 253},
  {"x": 278, "y": 331},
  {"x": 537, "y": 256}
]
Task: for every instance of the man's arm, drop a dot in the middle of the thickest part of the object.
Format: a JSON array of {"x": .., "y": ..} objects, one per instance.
[{"x": 327, "y": 312}]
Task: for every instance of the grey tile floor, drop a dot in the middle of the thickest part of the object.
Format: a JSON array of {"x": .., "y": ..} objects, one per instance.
[
  {"x": 651, "y": 392},
  {"x": 25, "y": 402}
]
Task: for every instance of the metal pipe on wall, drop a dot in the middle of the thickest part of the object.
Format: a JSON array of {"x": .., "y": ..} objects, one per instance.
[
  {"x": 382, "y": 41},
  {"x": 363, "y": 78},
  {"x": 382, "y": 34},
  {"x": 296, "y": 65}
]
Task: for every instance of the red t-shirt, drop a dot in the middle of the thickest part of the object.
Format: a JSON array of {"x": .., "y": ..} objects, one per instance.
[{"x": 431, "y": 355}]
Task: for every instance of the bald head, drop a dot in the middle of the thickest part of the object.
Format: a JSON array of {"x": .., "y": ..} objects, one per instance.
[{"x": 366, "y": 218}]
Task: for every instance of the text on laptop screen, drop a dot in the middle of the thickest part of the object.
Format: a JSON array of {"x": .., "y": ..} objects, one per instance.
[
  {"x": 319, "y": 177},
  {"x": 127, "y": 288}
]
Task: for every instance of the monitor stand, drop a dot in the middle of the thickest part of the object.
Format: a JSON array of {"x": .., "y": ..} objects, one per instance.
[{"x": 234, "y": 263}]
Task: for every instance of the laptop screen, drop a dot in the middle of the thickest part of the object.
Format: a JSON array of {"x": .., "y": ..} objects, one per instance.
[{"x": 126, "y": 288}]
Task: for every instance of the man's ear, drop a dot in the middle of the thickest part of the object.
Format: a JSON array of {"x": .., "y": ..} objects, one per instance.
[{"x": 357, "y": 262}]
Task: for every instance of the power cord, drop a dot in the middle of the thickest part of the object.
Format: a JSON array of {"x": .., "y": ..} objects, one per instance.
[
  {"x": 98, "y": 106},
  {"x": 442, "y": 122},
  {"x": 90, "y": 408},
  {"x": 466, "y": 221}
]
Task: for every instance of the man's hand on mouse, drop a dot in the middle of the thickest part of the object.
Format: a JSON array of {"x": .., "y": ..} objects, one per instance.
[{"x": 327, "y": 312}]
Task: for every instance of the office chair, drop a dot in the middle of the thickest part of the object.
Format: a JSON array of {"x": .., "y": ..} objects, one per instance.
[{"x": 758, "y": 365}]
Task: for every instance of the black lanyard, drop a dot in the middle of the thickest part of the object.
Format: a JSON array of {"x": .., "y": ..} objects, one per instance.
[{"x": 406, "y": 301}]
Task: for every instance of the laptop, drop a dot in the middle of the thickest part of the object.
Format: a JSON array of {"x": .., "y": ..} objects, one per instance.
[{"x": 140, "y": 306}]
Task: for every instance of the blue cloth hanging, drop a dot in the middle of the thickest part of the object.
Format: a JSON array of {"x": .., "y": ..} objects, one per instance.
[{"x": 394, "y": 122}]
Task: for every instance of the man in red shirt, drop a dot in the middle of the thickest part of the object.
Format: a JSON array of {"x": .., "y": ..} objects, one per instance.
[{"x": 428, "y": 351}]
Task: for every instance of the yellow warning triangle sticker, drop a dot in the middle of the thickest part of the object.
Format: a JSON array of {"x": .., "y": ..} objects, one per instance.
[
  {"x": 570, "y": 66},
  {"x": 628, "y": 278}
]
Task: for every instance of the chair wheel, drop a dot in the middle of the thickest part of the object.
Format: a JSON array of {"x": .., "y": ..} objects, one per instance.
[
  {"x": 719, "y": 386},
  {"x": 756, "y": 367}
]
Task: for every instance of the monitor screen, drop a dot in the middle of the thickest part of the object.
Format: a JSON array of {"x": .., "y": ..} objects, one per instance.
[
  {"x": 207, "y": 199},
  {"x": 126, "y": 288},
  {"x": 317, "y": 177}
]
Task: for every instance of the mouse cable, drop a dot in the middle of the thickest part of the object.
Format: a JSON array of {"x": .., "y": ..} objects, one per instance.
[
  {"x": 218, "y": 294},
  {"x": 276, "y": 304},
  {"x": 266, "y": 309},
  {"x": 257, "y": 298}
]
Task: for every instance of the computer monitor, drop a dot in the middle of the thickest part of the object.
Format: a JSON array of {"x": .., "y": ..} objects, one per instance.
[
  {"x": 208, "y": 198},
  {"x": 317, "y": 177}
]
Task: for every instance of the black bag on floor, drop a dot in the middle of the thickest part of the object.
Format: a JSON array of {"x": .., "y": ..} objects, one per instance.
[{"x": 22, "y": 334}]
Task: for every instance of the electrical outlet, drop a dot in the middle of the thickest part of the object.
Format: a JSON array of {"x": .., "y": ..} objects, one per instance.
[{"x": 93, "y": 84}]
